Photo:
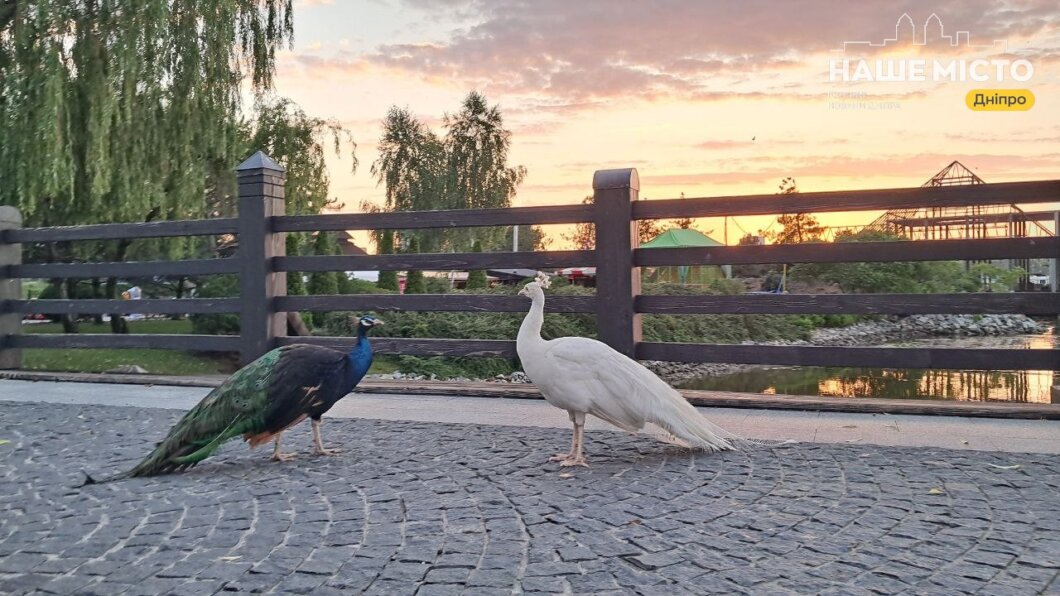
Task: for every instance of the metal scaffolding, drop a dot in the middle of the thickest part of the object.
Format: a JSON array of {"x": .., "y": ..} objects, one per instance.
[{"x": 980, "y": 221}]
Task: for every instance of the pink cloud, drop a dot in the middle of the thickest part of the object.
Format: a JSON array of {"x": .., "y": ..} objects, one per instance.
[
  {"x": 631, "y": 48},
  {"x": 992, "y": 167}
]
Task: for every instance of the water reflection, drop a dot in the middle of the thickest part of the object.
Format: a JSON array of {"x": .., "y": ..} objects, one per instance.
[{"x": 964, "y": 385}]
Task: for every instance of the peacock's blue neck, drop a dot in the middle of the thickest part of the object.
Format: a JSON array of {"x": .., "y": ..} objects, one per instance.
[{"x": 360, "y": 358}]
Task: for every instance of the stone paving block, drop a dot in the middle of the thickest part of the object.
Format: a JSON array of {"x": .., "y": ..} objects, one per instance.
[{"x": 479, "y": 513}]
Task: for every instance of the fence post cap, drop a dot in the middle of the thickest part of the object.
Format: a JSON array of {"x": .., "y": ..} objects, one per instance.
[
  {"x": 260, "y": 161},
  {"x": 620, "y": 178}
]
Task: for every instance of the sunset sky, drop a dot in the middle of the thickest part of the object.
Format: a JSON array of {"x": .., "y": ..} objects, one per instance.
[{"x": 679, "y": 89}]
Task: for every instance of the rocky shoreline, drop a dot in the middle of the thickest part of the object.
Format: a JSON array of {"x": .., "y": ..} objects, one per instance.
[
  {"x": 869, "y": 333},
  {"x": 882, "y": 331}
]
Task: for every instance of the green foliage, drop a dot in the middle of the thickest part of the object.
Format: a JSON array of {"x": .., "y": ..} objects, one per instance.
[
  {"x": 905, "y": 276},
  {"x": 456, "y": 325},
  {"x": 76, "y": 291},
  {"x": 811, "y": 322},
  {"x": 448, "y": 368},
  {"x": 414, "y": 283},
  {"x": 795, "y": 228},
  {"x": 459, "y": 325},
  {"x": 162, "y": 362},
  {"x": 411, "y": 166},
  {"x": 297, "y": 142},
  {"x": 295, "y": 283},
  {"x": 218, "y": 286},
  {"x": 108, "y": 112},
  {"x": 80, "y": 291},
  {"x": 159, "y": 362},
  {"x": 388, "y": 280},
  {"x": 583, "y": 236},
  {"x": 436, "y": 285},
  {"x": 994, "y": 278},
  {"x": 467, "y": 169},
  {"x": 531, "y": 238},
  {"x": 476, "y": 153},
  {"x": 351, "y": 285},
  {"x": 323, "y": 283},
  {"x": 476, "y": 279}
]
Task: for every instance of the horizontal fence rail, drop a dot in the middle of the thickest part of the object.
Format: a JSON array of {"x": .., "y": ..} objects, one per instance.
[
  {"x": 1003, "y": 193},
  {"x": 457, "y": 218},
  {"x": 1035, "y": 304},
  {"x": 431, "y": 303},
  {"x": 852, "y": 252},
  {"x": 158, "y": 229},
  {"x": 947, "y": 358},
  {"x": 200, "y": 343},
  {"x": 495, "y": 348},
  {"x": 440, "y": 261},
  {"x": 121, "y": 307},
  {"x": 125, "y": 269},
  {"x": 262, "y": 265}
]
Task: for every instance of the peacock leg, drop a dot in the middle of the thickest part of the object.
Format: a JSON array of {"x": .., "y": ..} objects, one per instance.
[
  {"x": 277, "y": 455},
  {"x": 577, "y": 458},
  {"x": 573, "y": 443},
  {"x": 318, "y": 444}
]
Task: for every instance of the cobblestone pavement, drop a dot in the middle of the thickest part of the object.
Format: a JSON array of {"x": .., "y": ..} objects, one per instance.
[{"x": 424, "y": 508}]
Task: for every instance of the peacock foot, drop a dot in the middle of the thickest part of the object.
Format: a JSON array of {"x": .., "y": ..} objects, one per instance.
[
  {"x": 574, "y": 461},
  {"x": 283, "y": 456},
  {"x": 559, "y": 457},
  {"x": 327, "y": 451}
]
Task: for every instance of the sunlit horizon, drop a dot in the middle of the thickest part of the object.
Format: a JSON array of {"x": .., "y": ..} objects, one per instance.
[{"x": 697, "y": 107}]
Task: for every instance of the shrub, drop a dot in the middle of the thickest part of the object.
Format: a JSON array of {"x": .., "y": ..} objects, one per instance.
[{"x": 218, "y": 286}]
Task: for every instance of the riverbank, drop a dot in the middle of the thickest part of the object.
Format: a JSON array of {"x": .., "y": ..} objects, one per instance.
[{"x": 869, "y": 333}]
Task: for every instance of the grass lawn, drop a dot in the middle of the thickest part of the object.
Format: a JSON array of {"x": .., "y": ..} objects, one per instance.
[
  {"x": 159, "y": 362},
  {"x": 148, "y": 326}
]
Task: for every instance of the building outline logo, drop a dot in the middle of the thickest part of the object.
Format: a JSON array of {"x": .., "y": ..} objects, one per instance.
[
  {"x": 889, "y": 68},
  {"x": 954, "y": 40}
]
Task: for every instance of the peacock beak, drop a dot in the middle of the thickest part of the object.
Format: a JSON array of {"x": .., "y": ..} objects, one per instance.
[
  {"x": 376, "y": 322},
  {"x": 523, "y": 292}
]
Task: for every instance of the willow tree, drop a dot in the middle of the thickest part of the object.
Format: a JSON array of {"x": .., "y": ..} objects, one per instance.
[
  {"x": 300, "y": 144},
  {"x": 411, "y": 167},
  {"x": 114, "y": 114},
  {"x": 478, "y": 174}
]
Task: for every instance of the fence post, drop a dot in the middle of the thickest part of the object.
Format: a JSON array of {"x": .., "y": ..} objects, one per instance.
[
  {"x": 261, "y": 196},
  {"x": 617, "y": 280},
  {"x": 10, "y": 289}
]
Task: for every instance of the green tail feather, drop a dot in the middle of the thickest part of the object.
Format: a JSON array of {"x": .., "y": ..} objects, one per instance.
[
  {"x": 184, "y": 447},
  {"x": 235, "y": 408}
]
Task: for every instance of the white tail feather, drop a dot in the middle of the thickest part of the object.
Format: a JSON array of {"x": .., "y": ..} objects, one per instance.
[{"x": 673, "y": 413}]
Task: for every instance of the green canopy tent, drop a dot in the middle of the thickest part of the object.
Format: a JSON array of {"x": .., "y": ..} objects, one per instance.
[{"x": 686, "y": 274}]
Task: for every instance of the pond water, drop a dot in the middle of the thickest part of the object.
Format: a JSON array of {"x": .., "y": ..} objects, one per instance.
[{"x": 966, "y": 385}]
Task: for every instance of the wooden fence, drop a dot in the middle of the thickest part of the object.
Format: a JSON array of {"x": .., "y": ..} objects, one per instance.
[{"x": 262, "y": 267}]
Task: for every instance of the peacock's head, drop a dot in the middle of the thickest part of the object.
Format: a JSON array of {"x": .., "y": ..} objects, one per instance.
[
  {"x": 536, "y": 287},
  {"x": 366, "y": 322}
]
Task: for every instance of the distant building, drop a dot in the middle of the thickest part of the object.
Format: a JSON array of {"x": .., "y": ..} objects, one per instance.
[{"x": 347, "y": 246}]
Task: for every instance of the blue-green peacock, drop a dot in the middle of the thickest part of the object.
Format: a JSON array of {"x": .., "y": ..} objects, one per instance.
[{"x": 261, "y": 400}]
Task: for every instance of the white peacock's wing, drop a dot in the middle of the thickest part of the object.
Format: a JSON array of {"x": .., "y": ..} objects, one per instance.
[{"x": 605, "y": 383}]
